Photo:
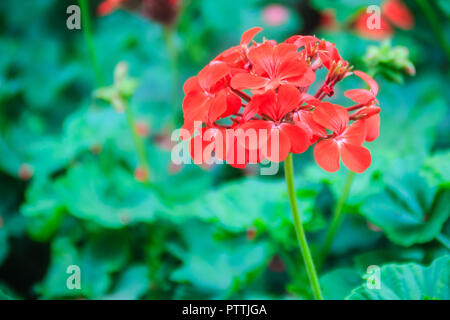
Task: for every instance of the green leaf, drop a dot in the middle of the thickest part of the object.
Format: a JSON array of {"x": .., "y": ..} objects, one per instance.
[
  {"x": 97, "y": 260},
  {"x": 409, "y": 282},
  {"x": 389, "y": 255},
  {"x": 409, "y": 211},
  {"x": 247, "y": 203},
  {"x": 437, "y": 168},
  {"x": 43, "y": 210},
  {"x": 132, "y": 283},
  {"x": 5, "y": 294},
  {"x": 337, "y": 284},
  {"x": 217, "y": 268},
  {"x": 4, "y": 247},
  {"x": 354, "y": 234},
  {"x": 112, "y": 199}
]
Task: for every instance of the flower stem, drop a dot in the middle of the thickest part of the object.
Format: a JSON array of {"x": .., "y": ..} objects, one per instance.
[
  {"x": 336, "y": 220},
  {"x": 138, "y": 141},
  {"x": 304, "y": 249},
  {"x": 87, "y": 31}
]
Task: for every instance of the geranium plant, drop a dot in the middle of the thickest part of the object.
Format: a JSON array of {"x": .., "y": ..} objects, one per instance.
[{"x": 253, "y": 102}]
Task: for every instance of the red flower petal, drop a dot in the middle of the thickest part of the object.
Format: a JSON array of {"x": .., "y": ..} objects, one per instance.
[
  {"x": 254, "y": 134},
  {"x": 237, "y": 155},
  {"x": 267, "y": 104},
  {"x": 298, "y": 137},
  {"x": 373, "y": 85},
  {"x": 398, "y": 13},
  {"x": 201, "y": 148},
  {"x": 190, "y": 85},
  {"x": 331, "y": 116},
  {"x": 289, "y": 98},
  {"x": 278, "y": 146},
  {"x": 108, "y": 6},
  {"x": 355, "y": 133},
  {"x": 359, "y": 95},
  {"x": 195, "y": 108},
  {"x": 217, "y": 106},
  {"x": 356, "y": 158},
  {"x": 247, "y": 81},
  {"x": 326, "y": 154},
  {"x": 212, "y": 73},
  {"x": 234, "y": 104},
  {"x": 305, "y": 119},
  {"x": 301, "y": 41},
  {"x": 383, "y": 32},
  {"x": 248, "y": 35},
  {"x": 262, "y": 59},
  {"x": 372, "y": 127}
]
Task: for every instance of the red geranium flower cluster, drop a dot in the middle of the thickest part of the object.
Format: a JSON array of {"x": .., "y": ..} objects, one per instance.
[{"x": 252, "y": 103}]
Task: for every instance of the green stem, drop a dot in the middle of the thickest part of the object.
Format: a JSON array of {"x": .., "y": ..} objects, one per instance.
[
  {"x": 435, "y": 24},
  {"x": 88, "y": 37},
  {"x": 307, "y": 258},
  {"x": 336, "y": 220},
  {"x": 138, "y": 141},
  {"x": 172, "y": 52},
  {"x": 443, "y": 240}
]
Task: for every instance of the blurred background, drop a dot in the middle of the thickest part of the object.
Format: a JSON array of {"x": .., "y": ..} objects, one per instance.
[{"x": 86, "y": 177}]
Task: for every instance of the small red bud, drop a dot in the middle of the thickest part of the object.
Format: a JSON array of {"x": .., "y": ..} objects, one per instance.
[
  {"x": 96, "y": 149},
  {"x": 251, "y": 233},
  {"x": 25, "y": 172},
  {"x": 277, "y": 264},
  {"x": 140, "y": 174},
  {"x": 142, "y": 128},
  {"x": 373, "y": 227}
]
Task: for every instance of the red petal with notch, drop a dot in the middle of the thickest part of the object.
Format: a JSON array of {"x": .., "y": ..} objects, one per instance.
[
  {"x": 289, "y": 98},
  {"x": 266, "y": 104},
  {"x": 331, "y": 116},
  {"x": 304, "y": 119},
  {"x": 356, "y": 158},
  {"x": 262, "y": 59},
  {"x": 326, "y": 154}
]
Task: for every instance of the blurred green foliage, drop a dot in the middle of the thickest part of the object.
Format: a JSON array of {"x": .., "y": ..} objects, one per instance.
[{"x": 68, "y": 194}]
